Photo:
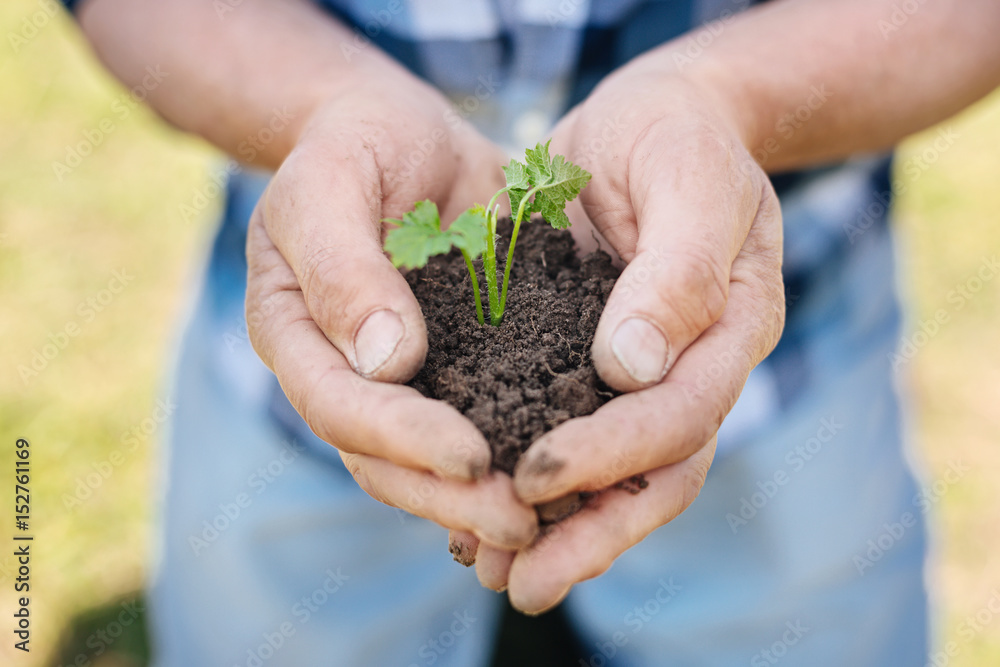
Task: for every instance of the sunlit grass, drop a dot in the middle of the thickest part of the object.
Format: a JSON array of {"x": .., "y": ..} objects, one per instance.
[{"x": 61, "y": 242}]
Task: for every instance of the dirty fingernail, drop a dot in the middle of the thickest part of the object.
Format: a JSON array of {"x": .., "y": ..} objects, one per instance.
[
  {"x": 462, "y": 555},
  {"x": 376, "y": 340},
  {"x": 641, "y": 349},
  {"x": 534, "y": 475}
]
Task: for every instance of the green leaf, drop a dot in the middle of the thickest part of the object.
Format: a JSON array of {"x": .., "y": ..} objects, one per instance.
[
  {"x": 539, "y": 164},
  {"x": 418, "y": 236},
  {"x": 517, "y": 185},
  {"x": 469, "y": 232},
  {"x": 557, "y": 182},
  {"x": 424, "y": 214}
]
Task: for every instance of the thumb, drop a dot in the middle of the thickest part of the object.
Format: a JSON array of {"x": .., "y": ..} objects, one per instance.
[
  {"x": 323, "y": 212},
  {"x": 690, "y": 230}
]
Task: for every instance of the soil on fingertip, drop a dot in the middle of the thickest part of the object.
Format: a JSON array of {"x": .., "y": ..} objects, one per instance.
[{"x": 533, "y": 372}]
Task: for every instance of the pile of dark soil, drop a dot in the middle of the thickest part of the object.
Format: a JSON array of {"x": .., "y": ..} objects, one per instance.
[{"x": 533, "y": 372}]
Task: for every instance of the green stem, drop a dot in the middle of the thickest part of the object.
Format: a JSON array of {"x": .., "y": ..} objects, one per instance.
[
  {"x": 490, "y": 271},
  {"x": 510, "y": 250},
  {"x": 475, "y": 286},
  {"x": 495, "y": 197}
]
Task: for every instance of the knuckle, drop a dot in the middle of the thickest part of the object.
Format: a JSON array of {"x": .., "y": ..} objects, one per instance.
[
  {"x": 316, "y": 413},
  {"x": 713, "y": 405},
  {"x": 282, "y": 191},
  {"x": 694, "y": 480},
  {"x": 613, "y": 216},
  {"x": 373, "y": 490},
  {"x": 698, "y": 291},
  {"x": 767, "y": 309},
  {"x": 354, "y": 464},
  {"x": 327, "y": 287}
]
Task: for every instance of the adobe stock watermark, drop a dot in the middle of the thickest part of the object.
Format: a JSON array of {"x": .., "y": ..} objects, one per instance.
[
  {"x": 453, "y": 117},
  {"x": 302, "y": 611},
  {"x": 257, "y": 482},
  {"x": 899, "y": 17},
  {"x": 957, "y": 297},
  {"x": 379, "y": 21},
  {"x": 611, "y": 130},
  {"x": 206, "y": 193},
  {"x": 32, "y": 25},
  {"x": 636, "y": 277},
  {"x": 255, "y": 316},
  {"x": 911, "y": 169},
  {"x": 892, "y": 533},
  {"x": 787, "y": 125},
  {"x": 249, "y": 148},
  {"x": 429, "y": 485},
  {"x": 773, "y": 654},
  {"x": 968, "y": 629},
  {"x": 58, "y": 340},
  {"x": 129, "y": 442},
  {"x": 435, "y": 647},
  {"x": 104, "y": 638},
  {"x": 795, "y": 459},
  {"x": 635, "y": 620},
  {"x": 122, "y": 107},
  {"x": 696, "y": 42}
]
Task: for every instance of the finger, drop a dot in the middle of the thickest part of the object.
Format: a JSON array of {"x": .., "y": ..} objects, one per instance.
[
  {"x": 667, "y": 422},
  {"x": 478, "y": 176},
  {"x": 345, "y": 410},
  {"x": 493, "y": 566},
  {"x": 486, "y": 508},
  {"x": 462, "y": 546},
  {"x": 323, "y": 212},
  {"x": 604, "y": 204},
  {"x": 693, "y": 210},
  {"x": 586, "y": 544}
]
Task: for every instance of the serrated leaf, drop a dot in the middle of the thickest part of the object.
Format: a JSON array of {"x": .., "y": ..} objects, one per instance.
[
  {"x": 424, "y": 214},
  {"x": 517, "y": 183},
  {"x": 517, "y": 175},
  {"x": 553, "y": 213},
  {"x": 418, "y": 237},
  {"x": 469, "y": 232},
  {"x": 539, "y": 164},
  {"x": 567, "y": 180}
]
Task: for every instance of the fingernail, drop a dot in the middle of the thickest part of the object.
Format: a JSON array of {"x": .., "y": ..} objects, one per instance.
[
  {"x": 376, "y": 340},
  {"x": 458, "y": 552},
  {"x": 641, "y": 349},
  {"x": 534, "y": 475}
]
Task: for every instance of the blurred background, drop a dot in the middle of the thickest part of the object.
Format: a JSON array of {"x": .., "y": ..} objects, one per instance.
[{"x": 105, "y": 213}]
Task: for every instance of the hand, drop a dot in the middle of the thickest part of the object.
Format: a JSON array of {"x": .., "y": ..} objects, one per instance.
[
  {"x": 680, "y": 200},
  {"x": 337, "y": 324}
]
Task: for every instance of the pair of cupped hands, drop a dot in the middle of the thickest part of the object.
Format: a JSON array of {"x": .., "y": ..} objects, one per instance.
[{"x": 676, "y": 195}]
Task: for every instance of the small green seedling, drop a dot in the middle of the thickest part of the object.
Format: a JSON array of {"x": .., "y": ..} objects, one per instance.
[{"x": 539, "y": 185}]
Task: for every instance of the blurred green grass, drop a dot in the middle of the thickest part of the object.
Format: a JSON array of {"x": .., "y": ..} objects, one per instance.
[{"x": 61, "y": 241}]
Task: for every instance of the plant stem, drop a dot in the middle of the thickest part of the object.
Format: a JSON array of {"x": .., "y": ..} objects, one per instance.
[
  {"x": 475, "y": 286},
  {"x": 490, "y": 270},
  {"x": 510, "y": 250},
  {"x": 495, "y": 197}
]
